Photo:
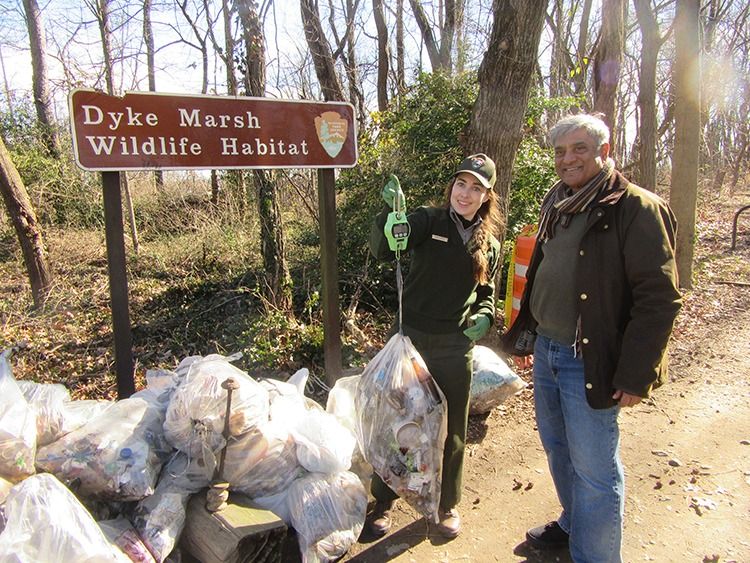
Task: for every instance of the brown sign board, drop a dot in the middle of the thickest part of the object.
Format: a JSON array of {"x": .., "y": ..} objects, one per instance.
[{"x": 154, "y": 131}]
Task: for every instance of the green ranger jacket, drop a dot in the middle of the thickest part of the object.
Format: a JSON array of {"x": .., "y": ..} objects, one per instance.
[
  {"x": 439, "y": 290},
  {"x": 627, "y": 293}
]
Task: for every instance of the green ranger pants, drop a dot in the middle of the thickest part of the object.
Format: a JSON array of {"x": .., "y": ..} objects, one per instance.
[{"x": 448, "y": 358}]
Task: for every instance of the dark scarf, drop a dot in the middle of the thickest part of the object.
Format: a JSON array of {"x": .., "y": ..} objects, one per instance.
[{"x": 559, "y": 206}]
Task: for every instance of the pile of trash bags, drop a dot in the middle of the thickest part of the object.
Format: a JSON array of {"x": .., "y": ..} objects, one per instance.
[{"x": 122, "y": 472}]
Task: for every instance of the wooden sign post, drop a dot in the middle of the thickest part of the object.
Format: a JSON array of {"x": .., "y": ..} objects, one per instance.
[
  {"x": 151, "y": 131},
  {"x": 118, "y": 284}
]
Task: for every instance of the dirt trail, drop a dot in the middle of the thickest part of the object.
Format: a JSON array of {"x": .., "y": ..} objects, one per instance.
[{"x": 687, "y": 461}]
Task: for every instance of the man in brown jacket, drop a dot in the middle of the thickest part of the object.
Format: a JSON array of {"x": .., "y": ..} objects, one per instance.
[{"x": 597, "y": 312}]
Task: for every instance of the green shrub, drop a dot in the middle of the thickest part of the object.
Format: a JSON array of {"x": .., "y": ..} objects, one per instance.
[
  {"x": 61, "y": 193},
  {"x": 276, "y": 341}
]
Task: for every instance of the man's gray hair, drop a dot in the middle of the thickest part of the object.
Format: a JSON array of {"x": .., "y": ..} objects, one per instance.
[{"x": 595, "y": 127}]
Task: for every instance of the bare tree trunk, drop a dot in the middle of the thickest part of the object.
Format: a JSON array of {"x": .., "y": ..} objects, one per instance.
[
  {"x": 557, "y": 67},
  {"x": 448, "y": 35},
  {"x": 321, "y": 51},
  {"x": 460, "y": 36},
  {"x": 278, "y": 281},
  {"x": 439, "y": 54},
  {"x": 356, "y": 96},
  {"x": 200, "y": 39},
  {"x": 608, "y": 61},
  {"x": 684, "y": 189},
  {"x": 6, "y": 85},
  {"x": 400, "y": 68},
  {"x": 739, "y": 159},
  {"x": 504, "y": 79},
  {"x": 383, "y": 54},
  {"x": 148, "y": 39},
  {"x": 29, "y": 233},
  {"x": 582, "y": 51},
  {"x": 650, "y": 44},
  {"x": 101, "y": 11},
  {"x": 229, "y": 48},
  {"x": 743, "y": 135},
  {"x": 42, "y": 97}
]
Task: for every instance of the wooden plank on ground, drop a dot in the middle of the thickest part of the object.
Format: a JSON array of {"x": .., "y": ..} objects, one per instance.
[{"x": 240, "y": 533}]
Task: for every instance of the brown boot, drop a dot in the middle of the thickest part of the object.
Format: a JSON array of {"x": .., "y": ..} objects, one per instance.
[
  {"x": 380, "y": 519},
  {"x": 450, "y": 523}
]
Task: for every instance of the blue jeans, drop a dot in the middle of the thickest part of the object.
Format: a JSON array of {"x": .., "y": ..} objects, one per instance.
[{"x": 583, "y": 452}]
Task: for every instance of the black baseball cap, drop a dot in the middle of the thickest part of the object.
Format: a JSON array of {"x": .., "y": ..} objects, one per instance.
[{"x": 480, "y": 166}]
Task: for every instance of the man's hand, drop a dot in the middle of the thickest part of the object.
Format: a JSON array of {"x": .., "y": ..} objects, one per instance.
[
  {"x": 626, "y": 399},
  {"x": 479, "y": 324},
  {"x": 392, "y": 189}
]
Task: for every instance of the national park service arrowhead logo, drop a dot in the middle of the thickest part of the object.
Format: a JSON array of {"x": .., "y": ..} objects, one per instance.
[{"x": 331, "y": 129}]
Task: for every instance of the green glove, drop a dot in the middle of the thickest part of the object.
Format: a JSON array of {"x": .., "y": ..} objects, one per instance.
[
  {"x": 479, "y": 325},
  {"x": 390, "y": 190}
]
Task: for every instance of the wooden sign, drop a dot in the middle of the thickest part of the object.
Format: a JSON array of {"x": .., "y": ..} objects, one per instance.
[{"x": 153, "y": 131}]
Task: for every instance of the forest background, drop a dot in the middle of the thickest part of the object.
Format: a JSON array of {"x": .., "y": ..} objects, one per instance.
[{"x": 227, "y": 261}]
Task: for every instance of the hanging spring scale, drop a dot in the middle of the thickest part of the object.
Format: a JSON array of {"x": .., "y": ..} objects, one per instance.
[{"x": 397, "y": 230}]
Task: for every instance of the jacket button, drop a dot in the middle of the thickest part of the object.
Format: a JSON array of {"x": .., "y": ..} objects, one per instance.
[
  {"x": 589, "y": 386},
  {"x": 585, "y": 340},
  {"x": 606, "y": 226},
  {"x": 580, "y": 252},
  {"x": 584, "y": 297}
]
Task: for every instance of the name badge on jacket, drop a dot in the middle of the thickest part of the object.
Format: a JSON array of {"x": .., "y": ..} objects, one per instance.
[{"x": 440, "y": 238}]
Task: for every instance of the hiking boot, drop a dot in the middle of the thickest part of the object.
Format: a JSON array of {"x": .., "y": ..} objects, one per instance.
[
  {"x": 380, "y": 519},
  {"x": 548, "y": 536},
  {"x": 450, "y": 523}
]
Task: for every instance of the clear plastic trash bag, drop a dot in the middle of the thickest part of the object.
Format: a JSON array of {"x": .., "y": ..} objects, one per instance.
[
  {"x": 402, "y": 424},
  {"x": 47, "y": 524},
  {"x": 341, "y": 404},
  {"x": 324, "y": 445},
  {"x": 120, "y": 532},
  {"x": 116, "y": 456},
  {"x": 492, "y": 381},
  {"x": 195, "y": 417},
  {"x": 57, "y": 414},
  {"x": 160, "y": 517},
  {"x": 328, "y": 513},
  {"x": 262, "y": 462},
  {"x": 17, "y": 426}
]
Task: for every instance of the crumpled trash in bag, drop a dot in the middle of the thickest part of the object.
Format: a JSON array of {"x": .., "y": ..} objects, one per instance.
[
  {"x": 195, "y": 417},
  {"x": 115, "y": 456},
  {"x": 402, "y": 424},
  {"x": 324, "y": 445},
  {"x": 57, "y": 414},
  {"x": 17, "y": 426},
  {"x": 262, "y": 462},
  {"x": 341, "y": 404},
  {"x": 286, "y": 399},
  {"x": 48, "y": 400},
  {"x": 328, "y": 513},
  {"x": 259, "y": 463},
  {"x": 5, "y": 487},
  {"x": 120, "y": 532},
  {"x": 160, "y": 517},
  {"x": 47, "y": 524},
  {"x": 492, "y": 381}
]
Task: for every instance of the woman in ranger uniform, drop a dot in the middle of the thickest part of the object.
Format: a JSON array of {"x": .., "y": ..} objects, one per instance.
[{"x": 448, "y": 303}]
